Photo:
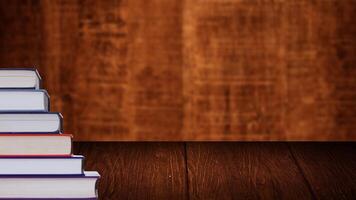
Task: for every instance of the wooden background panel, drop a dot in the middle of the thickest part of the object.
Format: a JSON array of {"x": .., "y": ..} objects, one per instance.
[
  {"x": 155, "y": 61},
  {"x": 193, "y": 70},
  {"x": 20, "y": 33},
  {"x": 234, "y": 77},
  {"x": 316, "y": 74},
  {"x": 80, "y": 48},
  {"x": 85, "y": 53},
  {"x": 269, "y": 70}
]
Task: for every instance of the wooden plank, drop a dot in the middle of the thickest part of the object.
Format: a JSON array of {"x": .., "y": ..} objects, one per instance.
[
  {"x": 330, "y": 168},
  {"x": 243, "y": 171},
  {"x": 137, "y": 170},
  {"x": 81, "y": 49},
  {"x": 112, "y": 68},
  {"x": 155, "y": 59},
  {"x": 20, "y": 33},
  {"x": 85, "y": 50},
  {"x": 269, "y": 69},
  {"x": 234, "y": 71},
  {"x": 320, "y": 93}
]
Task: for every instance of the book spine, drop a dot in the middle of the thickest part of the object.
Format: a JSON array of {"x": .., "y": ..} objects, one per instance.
[
  {"x": 60, "y": 123},
  {"x": 47, "y": 100}
]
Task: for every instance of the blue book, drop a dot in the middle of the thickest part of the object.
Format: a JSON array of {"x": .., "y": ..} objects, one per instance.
[
  {"x": 49, "y": 187},
  {"x": 51, "y": 122},
  {"x": 19, "y": 78},
  {"x": 12, "y": 100}
]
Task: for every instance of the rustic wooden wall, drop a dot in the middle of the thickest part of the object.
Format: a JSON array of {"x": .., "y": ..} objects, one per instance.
[{"x": 192, "y": 70}]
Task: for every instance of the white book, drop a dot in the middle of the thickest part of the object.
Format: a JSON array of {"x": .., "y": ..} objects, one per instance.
[
  {"x": 35, "y": 145},
  {"x": 30, "y": 123},
  {"x": 24, "y": 100},
  {"x": 25, "y": 78},
  {"x": 59, "y": 187},
  {"x": 41, "y": 165}
]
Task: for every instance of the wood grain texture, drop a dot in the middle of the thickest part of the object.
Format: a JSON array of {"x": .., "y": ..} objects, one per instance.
[
  {"x": 330, "y": 168},
  {"x": 243, "y": 171},
  {"x": 199, "y": 170},
  {"x": 235, "y": 74},
  {"x": 137, "y": 170},
  {"x": 155, "y": 61},
  {"x": 190, "y": 70}
]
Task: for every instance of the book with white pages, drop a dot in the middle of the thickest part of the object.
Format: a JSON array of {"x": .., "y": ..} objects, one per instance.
[
  {"x": 14, "y": 100},
  {"x": 49, "y": 186},
  {"x": 72, "y": 165},
  {"x": 20, "y": 78},
  {"x": 35, "y": 145},
  {"x": 31, "y": 122}
]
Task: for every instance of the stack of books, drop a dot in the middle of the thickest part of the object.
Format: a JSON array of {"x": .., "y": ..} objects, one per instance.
[{"x": 36, "y": 160}]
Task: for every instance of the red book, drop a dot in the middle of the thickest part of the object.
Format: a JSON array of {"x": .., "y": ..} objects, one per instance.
[{"x": 22, "y": 145}]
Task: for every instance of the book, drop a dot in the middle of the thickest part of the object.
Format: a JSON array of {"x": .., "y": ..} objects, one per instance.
[
  {"x": 35, "y": 145},
  {"x": 41, "y": 165},
  {"x": 51, "y": 186},
  {"x": 36, "y": 160},
  {"x": 30, "y": 122},
  {"x": 25, "y": 78},
  {"x": 24, "y": 100}
]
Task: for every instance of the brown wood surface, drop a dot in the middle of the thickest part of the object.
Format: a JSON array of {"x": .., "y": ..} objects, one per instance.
[
  {"x": 330, "y": 169},
  {"x": 197, "y": 170},
  {"x": 243, "y": 171},
  {"x": 190, "y": 70},
  {"x": 137, "y": 170}
]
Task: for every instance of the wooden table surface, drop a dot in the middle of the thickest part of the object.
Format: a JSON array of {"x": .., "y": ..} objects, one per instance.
[{"x": 222, "y": 170}]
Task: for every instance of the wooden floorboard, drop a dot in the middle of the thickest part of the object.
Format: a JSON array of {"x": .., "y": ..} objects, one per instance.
[
  {"x": 330, "y": 168},
  {"x": 244, "y": 171},
  {"x": 222, "y": 170},
  {"x": 137, "y": 170}
]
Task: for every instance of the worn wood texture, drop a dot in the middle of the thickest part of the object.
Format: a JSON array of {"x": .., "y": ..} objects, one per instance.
[
  {"x": 197, "y": 170},
  {"x": 330, "y": 168},
  {"x": 190, "y": 70},
  {"x": 243, "y": 171},
  {"x": 137, "y": 170}
]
